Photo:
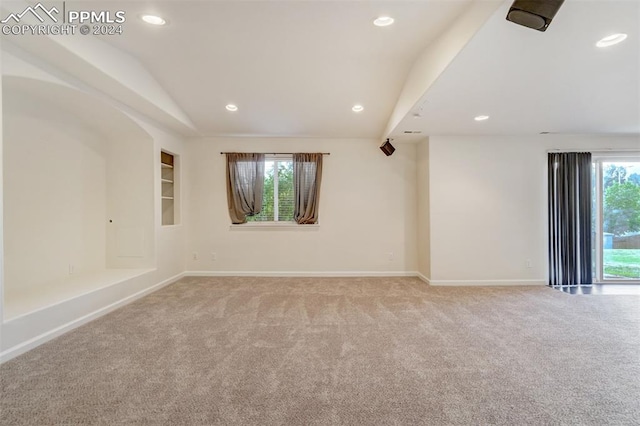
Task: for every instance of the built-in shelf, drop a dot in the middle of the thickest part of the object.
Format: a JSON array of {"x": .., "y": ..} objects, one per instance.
[{"x": 167, "y": 179}]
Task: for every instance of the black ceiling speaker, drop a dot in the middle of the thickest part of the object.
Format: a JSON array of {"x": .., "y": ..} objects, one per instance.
[
  {"x": 536, "y": 14},
  {"x": 387, "y": 148}
]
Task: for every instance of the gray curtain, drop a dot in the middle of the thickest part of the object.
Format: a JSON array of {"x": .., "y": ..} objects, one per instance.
[
  {"x": 245, "y": 185},
  {"x": 569, "y": 218},
  {"x": 307, "y": 175}
]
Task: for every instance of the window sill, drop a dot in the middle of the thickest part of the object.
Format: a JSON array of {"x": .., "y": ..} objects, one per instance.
[{"x": 273, "y": 226}]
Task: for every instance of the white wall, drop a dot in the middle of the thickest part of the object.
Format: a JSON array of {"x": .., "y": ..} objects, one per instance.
[
  {"x": 55, "y": 193},
  {"x": 488, "y": 205},
  {"x": 367, "y": 210},
  {"x": 27, "y": 331},
  {"x": 1, "y": 204},
  {"x": 424, "y": 212},
  {"x": 169, "y": 240},
  {"x": 130, "y": 203},
  {"x": 83, "y": 194}
]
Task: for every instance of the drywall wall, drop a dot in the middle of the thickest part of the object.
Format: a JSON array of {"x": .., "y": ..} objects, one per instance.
[
  {"x": 98, "y": 64},
  {"x": 27, "y": 331},
  {"x": 1, "y": 203},
  {"x": 169, "y": 240},
  {"x": 130, "y": 203},
  {"x": 368, "y": 212},
  {"x": 424, "y": 213},
  {"x": 487, "y": 201},
  {"x": 54, "y": 193},
  {"x": 90, "y": 128}
]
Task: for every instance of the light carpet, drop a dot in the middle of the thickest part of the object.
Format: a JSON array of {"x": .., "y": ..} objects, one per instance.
[{"x": 333, "y": 351}]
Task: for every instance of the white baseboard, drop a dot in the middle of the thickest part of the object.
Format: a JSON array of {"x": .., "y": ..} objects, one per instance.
[
  {"x": 485, "y": 283},
  {"x": 300, "y": 274},
  {"x": 511, "y": 282},
  {"x": 51, "y": 334},
  {"x": 423, "y": 277}
]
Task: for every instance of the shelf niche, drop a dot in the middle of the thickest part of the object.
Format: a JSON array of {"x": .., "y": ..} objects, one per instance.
[{"x": 168, "y": 174}]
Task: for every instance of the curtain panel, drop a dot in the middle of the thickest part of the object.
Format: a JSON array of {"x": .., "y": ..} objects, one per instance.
[
  {"x": 307, "y": 176},
  {"x": 245, "y": 185},
  {"x": 570, "y": 218}
]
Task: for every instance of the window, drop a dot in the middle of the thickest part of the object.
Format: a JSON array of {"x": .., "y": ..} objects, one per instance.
[
  {"x": 274, "y": 188},
  {"x": 278, "y": 198},
  {"x": 616, "y": 218}
]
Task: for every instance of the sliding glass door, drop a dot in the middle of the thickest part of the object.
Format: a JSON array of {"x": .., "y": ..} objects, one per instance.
[{"x": 616, "y": 219}]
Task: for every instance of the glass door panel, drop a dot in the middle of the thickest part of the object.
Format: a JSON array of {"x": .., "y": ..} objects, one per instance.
[{"x": 620, "y": 220}]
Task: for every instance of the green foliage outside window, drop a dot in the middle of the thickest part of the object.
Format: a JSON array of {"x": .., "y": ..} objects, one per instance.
[
  {"x": 285, "y": 193},
  {"x": 622, "y": 208}
]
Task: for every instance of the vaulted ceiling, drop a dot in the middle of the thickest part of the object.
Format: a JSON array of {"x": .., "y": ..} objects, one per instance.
[
  {"x": 530, "y": 82},
  {"x": 296, "y": 68}
]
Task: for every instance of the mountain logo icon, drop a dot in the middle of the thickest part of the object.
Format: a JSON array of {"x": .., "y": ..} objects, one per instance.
[{"x": 38, "y": 11}]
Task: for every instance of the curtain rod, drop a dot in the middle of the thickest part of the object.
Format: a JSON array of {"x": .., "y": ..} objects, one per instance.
[{"x": 276, "y": 153}]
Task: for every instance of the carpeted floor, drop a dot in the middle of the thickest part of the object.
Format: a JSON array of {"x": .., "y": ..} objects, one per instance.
[{"x": 358, "y": 351}]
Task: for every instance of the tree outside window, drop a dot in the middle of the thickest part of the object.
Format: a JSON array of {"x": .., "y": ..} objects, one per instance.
[{"x": 278, "y": 201}]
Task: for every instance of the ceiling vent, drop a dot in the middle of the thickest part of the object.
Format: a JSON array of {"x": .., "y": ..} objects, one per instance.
[
  {"x": 536, "y": 14},
  {"x": 415, "y": 132}
]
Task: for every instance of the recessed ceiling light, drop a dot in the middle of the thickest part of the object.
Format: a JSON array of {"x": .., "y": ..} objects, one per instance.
[
  {"x": 357, "y": 108},
  {"x": 383, "y": 21},
  {"x": 481, "y": 117},
  {"x": 231, "y": 107},
  {"x": 153, "y": 20},
  {"x": 611, "y": 40}
]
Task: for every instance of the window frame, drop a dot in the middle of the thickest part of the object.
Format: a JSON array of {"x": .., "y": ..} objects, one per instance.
[{"x": 598, "y": 159}]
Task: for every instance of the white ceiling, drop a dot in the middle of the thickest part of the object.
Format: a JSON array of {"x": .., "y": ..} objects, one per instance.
[
  {"x": 529, "y": 82},
  {"x": 295, "y": 68}
]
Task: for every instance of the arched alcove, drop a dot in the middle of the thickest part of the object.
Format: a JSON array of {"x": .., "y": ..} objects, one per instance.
[{"x": 78, "y": 195}]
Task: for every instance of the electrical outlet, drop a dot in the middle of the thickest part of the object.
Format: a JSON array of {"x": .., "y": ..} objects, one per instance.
[
  {"x": 390, "y": 256},
  {"x": 72, "y": 268},
  {"x": 194, "y": 256},
  {"x": 214, "y": 257}
]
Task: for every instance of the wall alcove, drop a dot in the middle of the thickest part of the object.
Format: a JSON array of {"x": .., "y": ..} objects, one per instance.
[{"x": 78, "y": 195}]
